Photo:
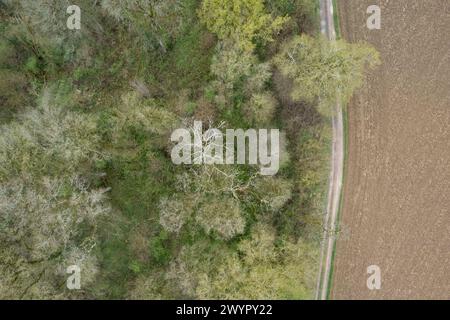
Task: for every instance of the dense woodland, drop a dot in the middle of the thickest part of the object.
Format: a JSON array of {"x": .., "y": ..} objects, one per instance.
[{"x": 86, "y": 176}]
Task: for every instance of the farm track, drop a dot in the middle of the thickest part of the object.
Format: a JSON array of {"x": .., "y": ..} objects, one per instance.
[
  {"x": 396, "y": 207},
  {"x": 336, "y": 172}
]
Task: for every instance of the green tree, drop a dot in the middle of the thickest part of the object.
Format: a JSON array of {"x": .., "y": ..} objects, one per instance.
[
  {"x": 261, "y": 108},
  {"x": 237, "y": 70},
  {"x": 325, "y": 70},
  {"x": 40, "y": 27},
  {"x": 303, "y": 13},
  {"x": 274, "y": 192},
  {"x": 262, "y": 269},
  {"x": 174, "y": 212},
  {"x": 221, "y": 215},
  {"x": 243, "y": 21},
  {"x": 48, "y": 206},
  {"x": 156, "y": 21}
]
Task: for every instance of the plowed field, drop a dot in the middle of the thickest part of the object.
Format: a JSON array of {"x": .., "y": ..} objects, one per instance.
[{"x": 396, "y": 209}]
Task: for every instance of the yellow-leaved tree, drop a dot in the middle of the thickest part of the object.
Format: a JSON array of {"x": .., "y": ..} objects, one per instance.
[{"x": 242, "y": 21}]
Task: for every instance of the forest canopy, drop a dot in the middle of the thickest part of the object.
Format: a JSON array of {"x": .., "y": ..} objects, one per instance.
[{"x": 86, "y": 176}]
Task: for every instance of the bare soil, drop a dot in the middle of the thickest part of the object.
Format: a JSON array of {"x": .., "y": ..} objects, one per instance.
[{"x": 397, "y": 186}]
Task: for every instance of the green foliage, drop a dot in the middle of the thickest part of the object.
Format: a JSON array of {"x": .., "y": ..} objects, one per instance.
[
  {"x": 324, "y": 70},
  {"x": 192, "y": 56},
  {"x": 303, "y": 215},
  {"x": 13, "y": 89},
  {"x": 7, "y": 53},
  {"x": 86, "y": 176},
  {"x": 156, "y": 21},
  {"x": 32, "y": 65},
  {"x": 261, "y": 108},
  {"x": 231, "y": 64},
  {"x": 147, "y": 287},
  {"x": 242, "y": 21},
  {"x": 147, "y": 115},
  {"x": 303, "y": 13},
  {"x": 221, "y": 216},
  {"x": 174, "y": 212},
  {"x": 135, "y": 266},
  {"x": 274, "y": 192},
  {"x": 13, "y": 83},
  {"x": 49, "y": 207},
  {"x": 49, "y": 40},
  {"x": 264, "y": 271},
  {"x": 158, "y": 248},
  {"x": 238, "y": 76},
  {"x": 193, "y": 262},
  {"x": 115, "y": 259},
  {"x": 48, "y": 140}
]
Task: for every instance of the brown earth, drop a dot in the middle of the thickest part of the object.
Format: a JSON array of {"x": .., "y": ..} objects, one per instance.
[{"x": 397, "y": 187}]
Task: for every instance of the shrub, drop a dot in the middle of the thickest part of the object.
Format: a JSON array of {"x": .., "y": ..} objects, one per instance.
[{"x": 159, "y": 251}]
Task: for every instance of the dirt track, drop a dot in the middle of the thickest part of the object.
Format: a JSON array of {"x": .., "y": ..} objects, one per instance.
[
  {"x": 397, "y": 188},
  {"x": 336, "y": 172}
]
